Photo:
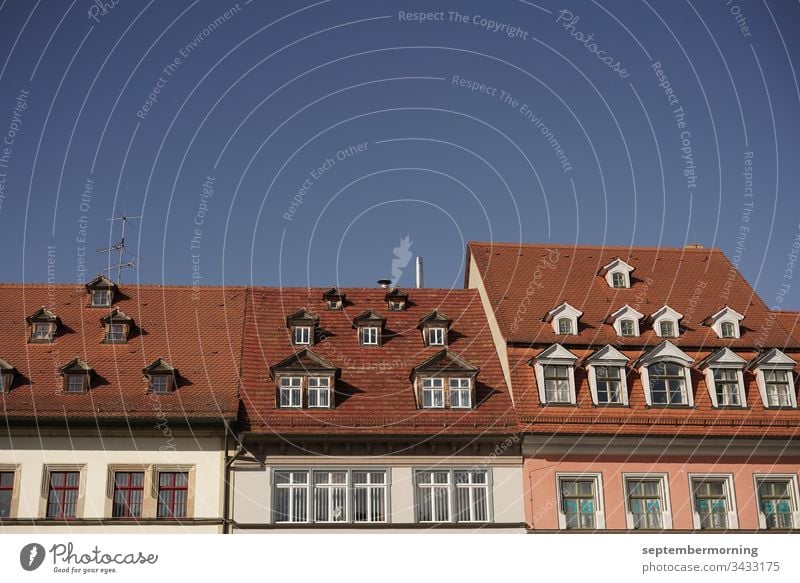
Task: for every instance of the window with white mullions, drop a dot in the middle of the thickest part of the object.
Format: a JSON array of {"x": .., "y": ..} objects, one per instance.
[
  {"x": 301, "y": 335},
  {"x": 433, "y": 496},
  {"x": 578, "y": 502},
  {"x": 667, "y": 328},
  {"x": 319, "y": 392},
  {"x": 432, "y": 393},
  {"x": 472, "y": 494},
  {"x": 776, "y": 504},
  {"x": 726, "y": 383},
  {"x": 565, "y": 326},
  {"x": 627, "y": 328},
  {"x": 618, "y": 279},
  {"x": 330, "y": 496},
  {"x": 369, "y": 496},
  {"x": 369, "y": 335},
  {"x": 460, "y": 394},
  {"x": 711, "y": 503},
  {"x": 609, "y": 383},
  {"x": 646, "y": 503},
  {"x": 291, "y": 496},
  {"x": 291, "y": 392},
  {"x": 436, "y": 336},
  {"x": 777, "y": 383},
  {"x": 667, "y": 384},
  {"x": 556, "y": 383}
]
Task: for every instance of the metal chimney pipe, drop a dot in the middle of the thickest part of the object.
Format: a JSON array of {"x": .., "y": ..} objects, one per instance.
[{"x": 420, "y": 277}]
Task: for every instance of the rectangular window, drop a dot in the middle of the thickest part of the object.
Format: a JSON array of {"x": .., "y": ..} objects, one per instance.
[
  {"x": 564, "y": 326},
  {"x": 101, "y": 298},
  {"x": 626, "y": 328},
  {"x": 62, "y": 495},
  {"x": 452, "y": 495},
  {"x": 291, "y": 392},
  {"x": 301, "y": 335},
  {"x": 646, "y": 503},
  {"x": 128, "y": 494},
  {"x": 396, "y": 305},
  {"x": 433, "y": 496},
  {"x": 711, "y": 503},
  {"x": 330, "y": 496},
  {"x": 6, "y": 493},
  {"x": 460, "y": 394},
  {"x": 432, "y": 393},
  {"x": 775, "y": 501},
  {"x": 369, "y": 496},
  {"x": 472, "y": 495},
  {"x": 41, "y": 331},
  {"x": 173, "y": 494},
  {"x": 777, "y": 384},
  {"x": 609, "y": 384},
  {"x": 436, "y": 336},
  {"x": 578, "y": 502},
  {"x": 319, "y": 392},
  {"x": 667, "y": 384},
  {"x": 291, "y": 496},
  {"x": 556, "y": 383},
  {"x": 369, "y": 336},
  {"x": 159, "y": 383},
  {"x": 116, "y": 333},
  {"x": 726, "y": 384},
  {"x": 75, "y": 383}
]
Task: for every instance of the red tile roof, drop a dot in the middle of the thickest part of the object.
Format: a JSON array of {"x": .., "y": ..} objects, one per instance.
[
  {"x": 525, "y": 281},
  {"x": 198, "y": 331},
  {"x": 790, "y": 322},
  {"x": 374, "y": 393}
]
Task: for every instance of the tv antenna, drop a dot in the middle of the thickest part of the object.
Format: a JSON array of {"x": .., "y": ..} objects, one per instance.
[{"x": 119, "y": 246}]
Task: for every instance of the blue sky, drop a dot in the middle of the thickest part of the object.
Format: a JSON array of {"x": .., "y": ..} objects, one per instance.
[{"x": 298, "y": 143}]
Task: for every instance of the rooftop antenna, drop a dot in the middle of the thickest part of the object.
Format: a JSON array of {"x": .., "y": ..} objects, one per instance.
[{"x": 120, "y": 247}]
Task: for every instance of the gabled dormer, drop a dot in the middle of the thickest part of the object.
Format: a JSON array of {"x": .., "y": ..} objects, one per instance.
[
  {"x": 626, "y": 321},
  {"x": 161, "y": 376},
  {"x": 303, "y": 327},
  {"x": 666, "y": 322},
  {"x": 617, "y": 274},
  {"x": 434, "y": 327},
  {"x": 666, "y": 376},
  {"x": 564, "y": 319},
  {"x": 304, "y": 380},
  {"x": 775, "y": 378},
  {"x": 77, "y": 376},
  {"x": 7, "y": 374},
  {"x": 607, "y": 376},
  {"x": 725, "y": 323},
  {"x": 370, "y": 328},
  {"x": 118, "y": 327},
  {"x": 42, "y": 326},
  {"x": 396, "y": 300},
  {"x": 554, "y": 368},
  {"x": 723, "y": 371},
  {"x": 101, "y": 292},
  {"x": 334, "y": 299},
  {"x": 444, "y": 381}
]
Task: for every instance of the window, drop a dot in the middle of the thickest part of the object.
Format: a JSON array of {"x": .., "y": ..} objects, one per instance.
[
  {"x": 101, "y": 298},
  {"x": 75, "y": 383},
  {"x": 319, "y": 392},
  {"x": 128, "y": 495},
  {"x": 291, "y": 497},
  {"x": 330, "y": 496},
  {"x": 115, "y": 333},
  {"x": 173, "y": 494},
  {"x": 565, "y": 326},
  {"x": 556, "y": 383},
  {"x": 160, "y": 383},
  {"x": 62, "y": 495},
  {"x": 301, "y": 335},
  {"x": 435, "y": 336},
  {"x": 369, "y": 496},
  {"x": 369, "y": 336},
  {"x": 627, "y": 328},
  {"x": 646, "y": 503},
  {"x": 726, "y": 384},
  {"x": 667, "y": 384},
  {"x": 432, "y": 393},
  {"x": 711, "y": 503},
  {"x": 452, "y": 495},
  {"x": 667, "y": 328},
  {"x": 42, "y": 332},
  {"x": 460, "y": 394},
  {"x": 397, "y": 305},
  {"x": 578, "y": 502},
  {"x": 291, "y": 392},
  {"x": 778, "y": 388},
  {"x": 776, "y": 503},
  {"x": 609, "y": 384},
  {"x": 6, "y": 493},
  {"x": 618, "y": 279},
  {"x": 333, "y": 304},
  {"x": 727, "y": 329}
]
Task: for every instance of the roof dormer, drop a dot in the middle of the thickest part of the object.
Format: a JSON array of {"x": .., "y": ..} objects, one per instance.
[
  {"x": 725, "y": 323},
  {"x": 774, "y": 371},
  {"x": 435, "y": 327},
  {"x": 370, "y": 328},
  {"x": 397, "y": 300},
  {"x": 7, "y": 373},
  {"x": 617, "y": 274},
  {"x": 118, "y": 327},
  {"x": 161, "y": 376},
  {"x": 626, "y": 321},
  {"x": 303, "y": 325},
  {"x": 666, "y": 322},
  {"x": 564, "y": 319},
  {"x": 42, "y": 326},
  {"x": 101, "y": 292},
  {"x": 77, "y": 375},
  {"x": 445, "y": 380},
  {"x": 334, "y": 299}
]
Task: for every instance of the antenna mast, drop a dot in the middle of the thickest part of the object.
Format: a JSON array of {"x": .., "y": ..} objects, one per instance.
[{"x": 120, "y": 247}]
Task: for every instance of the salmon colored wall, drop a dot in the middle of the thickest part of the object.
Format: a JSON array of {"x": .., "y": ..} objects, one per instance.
[{"x": 541, "y": 501}]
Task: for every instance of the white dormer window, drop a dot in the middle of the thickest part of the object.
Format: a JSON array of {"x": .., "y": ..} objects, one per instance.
[
  {"x": 725, "y": 323},
  {"x": 42, "y": 331},
  {"x": 101, "y": 298},
  {"x": 555, "y": 375},
  {"x": 775, "y": 379},
  {"x": 617, "y": 274},
  {"x": 666, "y": 329},
  {"x": 627, "y": 328},
  {"x": 666, "y": 322},
  {"x": 301, "y": 335},
  {"x": 666, "y": 376},
  {"x": 724, "y": 378},
  {"x": 433, "y": 393},
  {"x": 607, "y": 372},
  {"x": 626, "y": 321},
  {"x": 564, "y": 319},
  {"x": 436, "y": 336},
  {"x": 369, "y": 335}
]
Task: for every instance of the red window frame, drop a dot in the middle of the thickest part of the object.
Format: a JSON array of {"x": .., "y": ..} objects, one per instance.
[
  {"x": 127, "y": 489},
  {"x": 61, "y": 487},
  {"x": 6, "y": 485},
  {"x": 169, "y": 490}
]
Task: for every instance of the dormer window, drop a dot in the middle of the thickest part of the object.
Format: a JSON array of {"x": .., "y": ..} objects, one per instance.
[
  {"x": 432, "y": 393},
  {"x": 728, "y": 329},
  {"x": 565, "y": 326},
  {"x": 775, "y": 379},
  {"x": 627, "y": 328},
  {"x": 161, "y": 376},
  {"x": 369, "y": 335},
  {"x": 436, "y": 336},
  {"x": 555, "y": 375},
  {"x": 665, "y": 322},
  {"x": 43, "y": 326},
  {"x": 101, "y": 292},
  {"x": 118, "y": 326},
  {"x": 302, "y": 325},
  {"x": 301, "y": 335},
  {"x": 607, "y": 382},
  {"x": 445, "y": 381},
  {"x": 334, "y": 299},
  {"x": 626, "y": 321},
  {"x": 42, "y": 332},
  {"x": 564, "y": 319},
  {"x": 397, "y": 300},
  {"x": 101, "y": 298},
  {"x": 75, "y": 383},
  {"x": 618, "y": 279},
  {"x": 667, "y": 329},
  {"x": 666, "y": 376},
  {"x": 291, "y": 392},
  {"x": 304, "y": 380},
  {"x": 370, "y": 328},
  {"x": 434, "y": 328},
  {"x": 726, "y": 323},
  {"x": 617, "y": 274},
  {"x": 724, "y": 378},
  {"x": 7, "y": 373},
  {"x": 76, "y": 375}
]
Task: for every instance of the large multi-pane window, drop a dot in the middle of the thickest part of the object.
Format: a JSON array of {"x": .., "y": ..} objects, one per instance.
[
  {"x": 128, "y": 495},
  {"x": 579, "y": 502},
  {"x": 432, "y": 392},
  {"x": 62, "y": 495},
  {"x": 667, "y": 384},
  {"x": 460, "y": 393},
  {"x": 291, "y": 392},
  {"x": 646, "y": 502},
  {"x": 726, "y": 384},
  {"x": 6, "y": 493},
  {"x": 609, "y": 384},
  {"x": 452, "y": 495},
  {"x": 335, "y": 495},
  {"x": 776, "y": 502},
  {"x": 778, "y": 388},
  {"x": 556, "y": 383},
  {"x": 173, "y": 494},
  {"x": 319, "y": 392},
  {"x": 711, "y": 502}
]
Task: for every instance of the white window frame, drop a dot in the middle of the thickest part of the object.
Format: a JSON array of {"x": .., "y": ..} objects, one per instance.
[
  {"x": 566, "y": 326},
  {"x": 711, "y": 382},
  {"x": 292, "y": 486},
  {"x": 624, "y": 283},
  {"x": 672, "y": 333},
  {"x": 372, "y": 489},
  {"x": 666, "y": 510},
  {"x": 555, "y": 355},
  {"x": 617, "y": 266},
  {"x": 452, "y": 488},
  {"x": 301, "y": 335},
  {"x": 594, "y": 383},
  {"x": 722, "y": 327},
  {"x": 47, "y": 327},
  {"x": 154, "y": 384},
  {"x": 319, "y": 386},
  {"x": 333, "y": 304},
  {"x": 111, "y": 336},
  {"x": 291, "y": 389},
  {"x": 432, "y": 389},
  {"x": 727, "y": 315},
  {"x": 70, "y": 376},
  {"x": 460, "y": 386},
  {"x": 793, "y": 493},
  {"x": 436, "y": 335},
  {"x": 761, "y": 380},
  {"x": 645, "y": 376},
  {"x": 623, "y": 332},
  {"x": 369, "y": 335},
  {"x": 627, "y": 313},
  {"x": 564, "y": 310},
  {"x": 104, "y": 304},
  {"x": 599, "y": 512},
  {"x": 733, "y": 513}
]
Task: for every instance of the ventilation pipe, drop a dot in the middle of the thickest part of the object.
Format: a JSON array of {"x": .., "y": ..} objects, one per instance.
[{"x": 420, "y": 278}]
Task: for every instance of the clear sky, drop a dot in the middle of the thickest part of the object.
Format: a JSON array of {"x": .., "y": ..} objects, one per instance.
[{"x": 298, "y": 143}]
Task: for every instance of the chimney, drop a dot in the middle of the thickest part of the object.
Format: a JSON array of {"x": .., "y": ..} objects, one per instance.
[
  {"x": 694, "y": 246},
  {"x": 385, "y": 283},
  {"x": 420, "y": 278}
]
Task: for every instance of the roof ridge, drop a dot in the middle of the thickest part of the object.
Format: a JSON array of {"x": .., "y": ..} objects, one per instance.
[{"x": 523, "y": 244}]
